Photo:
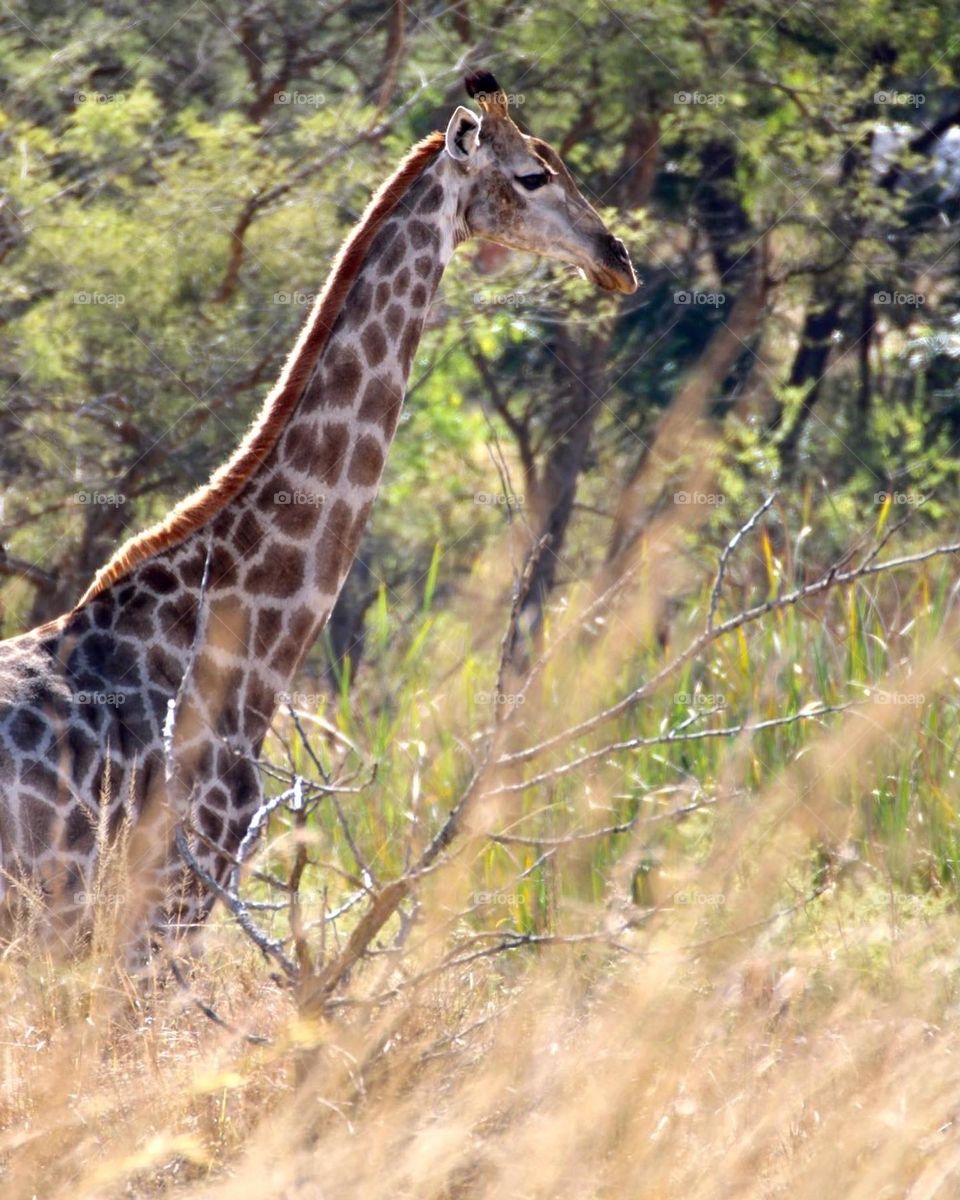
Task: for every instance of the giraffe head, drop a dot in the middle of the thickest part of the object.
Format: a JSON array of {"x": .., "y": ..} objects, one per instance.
[{"x": 515, "y": 190}]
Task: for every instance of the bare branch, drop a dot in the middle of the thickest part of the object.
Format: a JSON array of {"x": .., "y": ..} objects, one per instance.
[
  {"x": 664, "y": 739},
  {"x": 268, "y": 946},
  {"x": 832, "y": 579},
  {"x": 728, "y": 551}
]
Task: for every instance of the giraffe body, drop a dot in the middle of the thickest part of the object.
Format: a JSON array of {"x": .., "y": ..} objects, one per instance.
[{"x": 197, "y": 627}]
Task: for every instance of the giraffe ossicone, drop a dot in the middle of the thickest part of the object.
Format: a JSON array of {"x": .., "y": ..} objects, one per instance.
[{"x": 145, "y": 707}]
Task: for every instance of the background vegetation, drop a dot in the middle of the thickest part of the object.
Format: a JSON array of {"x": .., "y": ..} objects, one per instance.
[{"x": 694, "y": 929}]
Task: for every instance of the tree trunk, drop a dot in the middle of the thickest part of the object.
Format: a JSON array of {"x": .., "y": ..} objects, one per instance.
[
  {"x": 581, "y": 387},
  {"x": 823, "y": 319}
]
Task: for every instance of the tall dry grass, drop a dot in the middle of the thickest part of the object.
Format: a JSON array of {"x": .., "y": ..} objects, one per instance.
[{"x": 750, "y": 991}]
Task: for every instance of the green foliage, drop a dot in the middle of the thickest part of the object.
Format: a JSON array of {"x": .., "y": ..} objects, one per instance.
[{"x": 135, "y": 350}]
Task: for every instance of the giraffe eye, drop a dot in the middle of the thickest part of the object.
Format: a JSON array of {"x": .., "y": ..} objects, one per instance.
[{"x": 534, "y": 181}]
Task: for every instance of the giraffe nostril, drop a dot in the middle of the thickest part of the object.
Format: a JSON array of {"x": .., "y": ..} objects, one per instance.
[{"x": 618, "y": 251}]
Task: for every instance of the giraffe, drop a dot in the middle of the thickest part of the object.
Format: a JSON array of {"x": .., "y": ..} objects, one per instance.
[{"x": 146, "y": 706}]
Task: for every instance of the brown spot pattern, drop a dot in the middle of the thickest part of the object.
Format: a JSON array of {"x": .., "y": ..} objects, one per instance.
[
  {"x": 322, "y": 457},
  {"x": 374, "y": 344},
  {"x": 343, "y": 377},
  {"x": 269, "y": 624},
  {"x": 393, "y": 319},
  {"x": 280, "y": 573},
  {"x": 381, "y": 404},
  {"x": 335, "y": 549},
  {"x": 367, "y": 461}
]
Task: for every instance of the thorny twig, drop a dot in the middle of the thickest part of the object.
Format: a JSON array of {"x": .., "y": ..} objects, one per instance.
[
  {"x": 254, "y": 1039},
  {"x": 728, "y": 550},
  {"x": 679, "y": 734},
  {"x": 674, "y": 814},
  {"x": 270, "y": 947}
]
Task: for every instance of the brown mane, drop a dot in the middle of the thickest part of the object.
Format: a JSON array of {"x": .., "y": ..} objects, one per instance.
[{"x": 197, "y": 509}]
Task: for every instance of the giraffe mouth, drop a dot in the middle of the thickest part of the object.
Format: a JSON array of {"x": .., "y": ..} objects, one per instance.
[
  {"x": 611, "y": 280},
  {"x": 611, "y": 268}
]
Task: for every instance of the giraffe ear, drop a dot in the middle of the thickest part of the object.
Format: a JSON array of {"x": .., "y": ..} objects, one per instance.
[{"x": 463, "y": 134}]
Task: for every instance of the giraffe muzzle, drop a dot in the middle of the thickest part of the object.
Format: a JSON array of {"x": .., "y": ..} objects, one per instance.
[{"x": 612, "y": 270}]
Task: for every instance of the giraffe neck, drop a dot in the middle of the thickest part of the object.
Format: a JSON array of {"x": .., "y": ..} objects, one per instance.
[{"x": 242, "y": 598}]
